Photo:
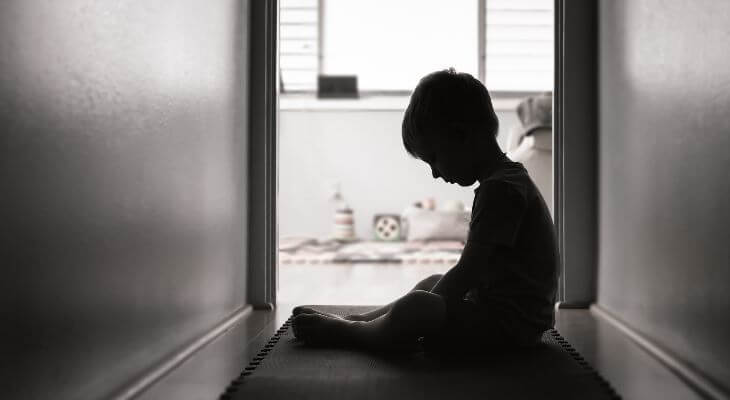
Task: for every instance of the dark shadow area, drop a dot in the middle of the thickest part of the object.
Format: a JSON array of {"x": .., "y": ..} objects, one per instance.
[{"x": 284, "y": 367}]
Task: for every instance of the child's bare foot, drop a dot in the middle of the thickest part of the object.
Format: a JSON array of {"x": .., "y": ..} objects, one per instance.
[
  {"x": 358, "y": 317},
  {"x": 308, "y": 310},
  {"x": 322, "y": 330}
]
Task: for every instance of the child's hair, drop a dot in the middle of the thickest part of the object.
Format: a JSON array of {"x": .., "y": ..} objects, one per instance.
[{"x": 442, "y": 98}]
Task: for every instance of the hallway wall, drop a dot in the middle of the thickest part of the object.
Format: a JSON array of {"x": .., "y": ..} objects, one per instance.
[
  {"x": 663, "y": 195},
  {"x": 122, "y": 186}
]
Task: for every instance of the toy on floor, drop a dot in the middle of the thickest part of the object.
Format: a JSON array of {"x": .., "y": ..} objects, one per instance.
[
  {"x": 343, "y": 228},
  {"x": 344, "y": 224},
  {"x": 387, "y": 227}
]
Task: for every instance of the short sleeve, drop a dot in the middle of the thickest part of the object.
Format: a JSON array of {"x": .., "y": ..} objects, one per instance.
[{"x": 499, "y": 208}]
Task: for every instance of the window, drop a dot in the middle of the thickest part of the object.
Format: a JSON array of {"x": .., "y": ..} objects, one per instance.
[
  {"x": 389, "y": 44},
  {"x": 299, "y": 35},
  {"x": 519, "y": 45}
]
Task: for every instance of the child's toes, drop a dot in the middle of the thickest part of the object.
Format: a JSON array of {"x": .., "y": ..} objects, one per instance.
[
  {"x": 303, "y": 324},
  {"x": 303, "y": 310},
  {"x": 297, "y": 327},
  {"x": 304, "y": 320}
]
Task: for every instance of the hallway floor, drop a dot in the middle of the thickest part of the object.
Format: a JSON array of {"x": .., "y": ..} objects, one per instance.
[
  {"x": 634, "y": 373},
  {"x": 360, "y": 283}
]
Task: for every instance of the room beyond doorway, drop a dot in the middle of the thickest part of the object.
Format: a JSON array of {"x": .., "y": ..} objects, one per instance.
[{"x": 343, "y": 171}]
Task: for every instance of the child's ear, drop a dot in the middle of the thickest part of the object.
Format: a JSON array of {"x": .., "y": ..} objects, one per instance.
[{"x": 461, "y": 132}]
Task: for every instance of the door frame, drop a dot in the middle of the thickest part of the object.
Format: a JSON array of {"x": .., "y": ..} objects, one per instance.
[
  {"x": 574, "y": 156},
  {"x": 263, "y": 154}
]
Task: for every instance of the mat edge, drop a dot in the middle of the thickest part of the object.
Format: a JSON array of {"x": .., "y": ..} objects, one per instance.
[{"x": 233, "y": 386}]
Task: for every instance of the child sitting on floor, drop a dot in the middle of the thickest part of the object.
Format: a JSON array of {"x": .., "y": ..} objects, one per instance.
[{"x": 502, "y": 290}]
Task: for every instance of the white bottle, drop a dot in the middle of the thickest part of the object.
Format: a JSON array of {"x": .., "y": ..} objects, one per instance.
[{"x": 343, "y": 227}]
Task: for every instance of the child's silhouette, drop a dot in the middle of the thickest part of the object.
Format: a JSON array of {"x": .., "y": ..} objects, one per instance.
[{"x": 504, "y": 285}]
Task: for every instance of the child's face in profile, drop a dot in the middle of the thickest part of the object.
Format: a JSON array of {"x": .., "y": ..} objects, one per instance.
[{"x": 451, "y": 160}]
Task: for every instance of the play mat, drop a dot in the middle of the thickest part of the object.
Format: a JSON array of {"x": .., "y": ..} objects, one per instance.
[{"x": 300, "y": 250}]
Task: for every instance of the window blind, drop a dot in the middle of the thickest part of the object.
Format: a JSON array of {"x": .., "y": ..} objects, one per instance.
[
  {"x": 391, "y": 44},
  {"x": 519, "y": 45},
  {"x": 299, "y": 45}
]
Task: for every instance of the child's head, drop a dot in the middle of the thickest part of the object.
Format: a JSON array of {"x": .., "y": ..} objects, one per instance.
[{"x": 451, "y": 125}]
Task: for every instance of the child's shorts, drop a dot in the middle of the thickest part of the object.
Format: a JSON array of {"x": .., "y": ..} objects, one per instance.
[{"x": 472, "y": 327}]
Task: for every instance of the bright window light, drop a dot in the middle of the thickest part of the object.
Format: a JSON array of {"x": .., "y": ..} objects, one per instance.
[{"x": 391, "y": 44}]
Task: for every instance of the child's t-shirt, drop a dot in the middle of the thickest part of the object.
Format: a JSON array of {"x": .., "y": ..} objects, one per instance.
[{"x": 519, "y": 280}]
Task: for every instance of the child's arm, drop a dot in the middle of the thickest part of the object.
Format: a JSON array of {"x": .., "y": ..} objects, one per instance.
[
  {"x": 496, "y": 220},
  {"x": 466, "y": 273}
]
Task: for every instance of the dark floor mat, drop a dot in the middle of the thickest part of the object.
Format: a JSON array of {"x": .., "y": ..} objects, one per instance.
[{"x": 286, "y": 369}]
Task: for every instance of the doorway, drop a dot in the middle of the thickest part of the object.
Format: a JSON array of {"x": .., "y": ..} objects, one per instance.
[{"x": 343, "y": 174}]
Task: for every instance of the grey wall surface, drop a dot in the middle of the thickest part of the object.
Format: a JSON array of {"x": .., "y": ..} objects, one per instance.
[
  {"x": 363, "y": 151},
  {"x": 664, "y": 140},
  {"x": 122, "y": 186}
]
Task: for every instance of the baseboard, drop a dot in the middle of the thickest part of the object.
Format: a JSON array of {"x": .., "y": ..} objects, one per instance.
[
  {"x": 265, "y": 307},
  {"x": 168, "y": 364},
  {"x": 572, "y": 305},
  {"x": 689, "y": 375}
]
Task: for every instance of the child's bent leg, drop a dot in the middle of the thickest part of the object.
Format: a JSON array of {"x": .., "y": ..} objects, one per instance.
[
  {"x": 425, "y": 284},
  {"x": 418, "y": 313}
]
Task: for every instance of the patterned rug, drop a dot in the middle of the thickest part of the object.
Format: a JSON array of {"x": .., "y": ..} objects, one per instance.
[{"x": 313, "y": 251}]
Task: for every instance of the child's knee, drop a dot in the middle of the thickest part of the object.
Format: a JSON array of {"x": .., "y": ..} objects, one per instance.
[
  {"x": 428, "y": 283},
  {"x": 420, "y": 305}
]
